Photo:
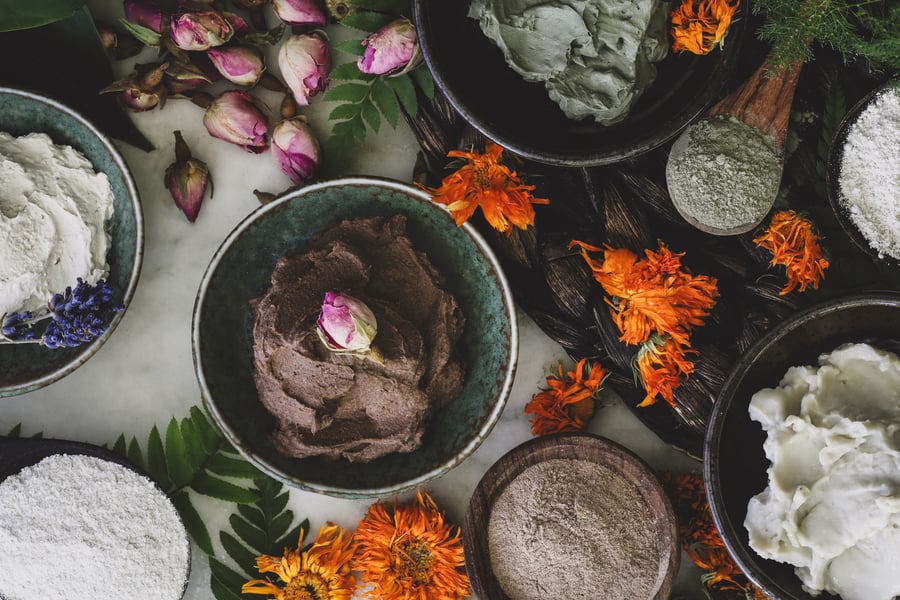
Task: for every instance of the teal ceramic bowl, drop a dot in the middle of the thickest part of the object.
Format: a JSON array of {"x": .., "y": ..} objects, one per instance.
[
  {"x": 27, "y": 367},
  {"x": 240, "y": 271}
]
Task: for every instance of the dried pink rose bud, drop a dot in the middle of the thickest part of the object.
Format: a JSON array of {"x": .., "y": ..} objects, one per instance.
[
  {"x": 182, "y": 76},
  {"x": 237, "y": 117},
  {"x": 200, "y": 30},
  {"x": 146, "y": 13},
  {"x": 303, "y": 61},
  {"x": 187, "y": 179},
  {"x": 346, "y": 324},
  {"x": 143, "y": 90},
  {"x": 394, "y": 47},
  {"x": 296, "y": 149},
  {"x": 242, "y": 65},
  {"x": 300, "y": 12},
  {"x": 237, "y": 22},
  {"x": 108, "y": 36}
]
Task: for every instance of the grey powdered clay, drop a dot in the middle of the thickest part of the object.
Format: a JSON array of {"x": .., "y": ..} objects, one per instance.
[{"x": 723, "y": 175}]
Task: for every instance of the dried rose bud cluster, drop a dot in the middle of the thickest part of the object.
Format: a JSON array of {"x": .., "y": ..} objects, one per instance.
[{"x": 200, "y": 43}]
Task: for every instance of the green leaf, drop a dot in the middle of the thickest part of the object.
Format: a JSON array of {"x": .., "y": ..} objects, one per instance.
[
  {"x": 349, "y": 71},
  {"x": 156, "y": 460},
  {"x": 371, "y": 116},
  {"x": 242, "y": 557},
  {"x": 353, "y": 129},
  {"x": 15, "y": 432},
  {"x": 214, "y": 487},
  {"x": 353, "y": 47},
  {"x": 422, "y": 77},
  {"x": 272, "y": 500},
  {"x": 135, "y": 455},
  {"x": 292, "y": 537},
  {"x": 252, "y": 514},
  {"x": 367, "y": 21},
  {"x": 16, "y": 14},
  {"x": 209, "y": 434},
  {"x": 347, "y": 92},
  {"x": 347, "y": 110},
  {"x": 386, "y": 101},
  {"x": 145, "y": 35},
  {"x": 232, "y": 467},
  {"x": 119, "y": 447},
  {"x": 193, "y": 444},
  {"x": 252, "y": 535},
  {"x": 228, "y": 581},
  {"x": 192, "y": 521},
  {"x": 176, "y": 456},
  {"x": 406, "y": 93},
  {"x": 280, "y": 524}
]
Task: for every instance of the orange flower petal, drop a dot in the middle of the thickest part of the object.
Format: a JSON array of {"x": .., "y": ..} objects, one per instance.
[
  {"x": 795, "y": 246},
  {"x": 699, "y": 25},
  {"x": 569, "y": 403}
]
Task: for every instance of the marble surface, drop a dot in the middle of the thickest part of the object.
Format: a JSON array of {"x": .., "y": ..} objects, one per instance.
[{"x": 144, "y": 375}]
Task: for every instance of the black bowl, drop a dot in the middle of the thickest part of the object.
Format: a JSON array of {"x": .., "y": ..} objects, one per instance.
[
  {"x": 471, "y": 71},
  {"x": 734, "y": 462}
]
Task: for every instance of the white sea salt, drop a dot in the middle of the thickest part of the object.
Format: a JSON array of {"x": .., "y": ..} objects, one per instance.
[
  {"x": 869, "y": 179},
  {"x": 76, "y": 527}
]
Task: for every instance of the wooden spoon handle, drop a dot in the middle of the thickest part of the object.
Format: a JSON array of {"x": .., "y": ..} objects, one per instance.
[{"x": 763, "y": 101}]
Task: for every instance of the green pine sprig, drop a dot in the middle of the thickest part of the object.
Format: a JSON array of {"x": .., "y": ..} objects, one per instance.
[{"x": 856, "y": 28}]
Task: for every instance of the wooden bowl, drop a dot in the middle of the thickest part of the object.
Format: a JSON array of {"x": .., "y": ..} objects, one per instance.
[{"x": 625, "y": 465}]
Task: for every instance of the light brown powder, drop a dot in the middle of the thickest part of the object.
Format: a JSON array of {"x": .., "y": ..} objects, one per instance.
[{"x": 573, "y": 529}]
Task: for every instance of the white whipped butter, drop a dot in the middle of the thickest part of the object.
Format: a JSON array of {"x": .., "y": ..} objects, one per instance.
[
  {"x": 832, "y": 506},
  {"x": 53, "y": 211},
  {"x": 595, "y": 57}
]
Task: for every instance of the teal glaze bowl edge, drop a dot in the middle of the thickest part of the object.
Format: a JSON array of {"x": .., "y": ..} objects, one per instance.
[
  {"x": 128, "y": 181},
  {"x": 358, "y": 493}
]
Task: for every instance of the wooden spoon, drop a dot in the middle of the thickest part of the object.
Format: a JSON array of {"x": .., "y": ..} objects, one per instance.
[{"x": 763, "y": 102}]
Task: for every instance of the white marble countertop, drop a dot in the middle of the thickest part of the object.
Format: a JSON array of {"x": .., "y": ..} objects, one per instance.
[{"x": 144, "y": 375}]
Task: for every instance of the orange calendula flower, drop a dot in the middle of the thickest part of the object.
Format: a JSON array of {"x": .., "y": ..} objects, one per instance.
[
  {"x": 486, "y": 182},
  {"x": 410, "y": 553},
  {"x": 699, "y": 25},
  {"x": 795, "y": 246},
  {"x": 651, "y": 295},
  {"x": 660, "y": 364},
  {"x": 320, "y": 573},
  {"x": 569, "y": 403}
]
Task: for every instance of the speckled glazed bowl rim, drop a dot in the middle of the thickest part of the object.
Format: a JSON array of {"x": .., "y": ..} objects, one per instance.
[
  {"x": 491, "y": 418},
  {"x": 134, "y": 196}
]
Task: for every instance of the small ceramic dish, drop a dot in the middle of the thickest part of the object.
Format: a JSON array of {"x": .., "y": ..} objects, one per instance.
[
  {"x": 833, "y": 175},
  {"x": 622, "y": 464},
  {"x": 27, "y": 367},
  {"x": 735, "y": 463},
  {"x": 241, "y": 271},
  {"x": 519, "y": 115}
]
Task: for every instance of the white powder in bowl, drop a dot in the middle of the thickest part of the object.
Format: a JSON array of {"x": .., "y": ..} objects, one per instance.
[
  {"x": 53, "y": 211},
  {"x": 870, "y": 173},
  {"x": 76, "y": 527}
]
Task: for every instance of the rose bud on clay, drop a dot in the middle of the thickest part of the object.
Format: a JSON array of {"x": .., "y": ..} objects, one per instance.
[
  {"x": 241, "y": 65},
  {"x": 303, "y": 61},
  {"x": 394, "y": 47},
  {"x": 300, "y": 12},
  {"x": 187, "y": 179},
  {"x": 237, "y": 117},
  {"x": 199, "y": 29},
  {"x": 347, "y": 325},
  {"x": 143, "y": 91}
]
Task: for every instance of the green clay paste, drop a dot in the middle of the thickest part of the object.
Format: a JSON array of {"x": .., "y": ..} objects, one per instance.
[
  {"x": 595, "y": 57},
  {"x": 723, "y": 175}
]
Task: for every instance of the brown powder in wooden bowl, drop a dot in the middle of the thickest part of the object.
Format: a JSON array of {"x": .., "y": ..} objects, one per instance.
[{"x": 574, "y": 529}]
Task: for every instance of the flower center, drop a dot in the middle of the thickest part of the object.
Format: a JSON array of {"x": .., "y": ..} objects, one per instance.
[
  {"x": 415, "y": 561},
  {"x": 481, "y": 175},
  {"x": 306, "y": 586}
]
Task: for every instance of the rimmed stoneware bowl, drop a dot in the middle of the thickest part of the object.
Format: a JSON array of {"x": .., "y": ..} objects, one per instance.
[
  {"x": 833, "y": 174},
  {"x": 734, "y": 462},
  {"x": 19, "y": 453},
  {"x": 240, "y": 271},
  {"x": 624, "y": 464},
  {"x": 472, "y": 73},
  {"x": 27, "y": 367}
]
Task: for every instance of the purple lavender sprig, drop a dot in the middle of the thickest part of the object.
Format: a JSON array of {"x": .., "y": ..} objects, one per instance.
[{"x": 78, "y": 316}]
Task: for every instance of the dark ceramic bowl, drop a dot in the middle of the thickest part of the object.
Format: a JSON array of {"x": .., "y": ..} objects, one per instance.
[
  {"x": 27, "y": 367},
  {"x": 241, "y": 271},
  {"x": 471, "y": 71},
  {"x": 833, "y": 175},
  {"x": 734, "y": 462},
  {"x": 626, "y": 466}
]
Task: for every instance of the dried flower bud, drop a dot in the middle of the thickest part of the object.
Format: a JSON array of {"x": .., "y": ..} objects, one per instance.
[
  {"x": 237, "y": 117},
  {"x": 346, "y": 324},
  {"x": 187, "y": 179},
  {"x": 300, "y": 12},
  {"x": 200, "y": 30},
  {"x": 183, "y": 76},
  {"x": 143, "y": 90},
  {"x": 242, "y": 65},
  {"x": 296, "y": 149},
  {"x": 146, "y": 13},
  {"x": 394, "y": 47},
  {"x": 240, "y": 26},
  {"x": 303, "y": 61},
  {"x": 108, "y": 36}
]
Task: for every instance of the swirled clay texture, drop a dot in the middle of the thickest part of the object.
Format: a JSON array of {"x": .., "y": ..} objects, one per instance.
[
  {"x": 595, "y": 57},
  {"x": 340, "y": 405}
]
